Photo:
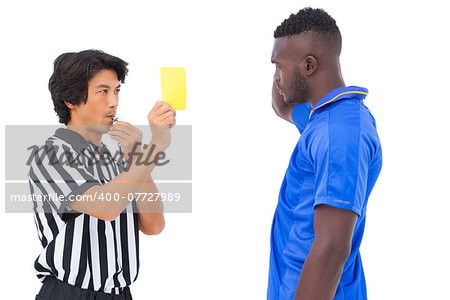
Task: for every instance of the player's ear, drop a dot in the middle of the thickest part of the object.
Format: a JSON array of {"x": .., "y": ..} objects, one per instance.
[{"x": 310, "y": 65}]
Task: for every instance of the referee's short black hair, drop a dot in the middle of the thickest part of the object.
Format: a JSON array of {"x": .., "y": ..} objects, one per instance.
[
  {"x": 71, "y": 75},
  {"x": 311, "y": 21}
]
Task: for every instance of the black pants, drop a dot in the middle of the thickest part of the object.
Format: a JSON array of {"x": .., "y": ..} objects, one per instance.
[{"x": 55, "y": 289}]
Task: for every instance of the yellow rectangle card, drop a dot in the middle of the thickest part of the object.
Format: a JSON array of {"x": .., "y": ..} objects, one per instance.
[{"x": 173, "y": 87}]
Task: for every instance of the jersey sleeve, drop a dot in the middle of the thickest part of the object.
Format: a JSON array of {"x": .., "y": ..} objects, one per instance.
[
  {"x": 340, "y": 159},
  {"x": 300, "y": 116},
  {"x": 54, "y": 170}
]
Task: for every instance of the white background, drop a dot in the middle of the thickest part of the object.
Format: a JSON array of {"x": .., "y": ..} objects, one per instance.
[{"x": 240, "y": 148}]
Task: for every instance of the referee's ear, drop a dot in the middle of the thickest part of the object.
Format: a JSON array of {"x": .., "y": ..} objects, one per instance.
[{"x": 69, "y": 105}]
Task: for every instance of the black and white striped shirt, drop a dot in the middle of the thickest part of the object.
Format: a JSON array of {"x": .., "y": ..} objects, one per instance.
[{"x": 77, "y": 248}]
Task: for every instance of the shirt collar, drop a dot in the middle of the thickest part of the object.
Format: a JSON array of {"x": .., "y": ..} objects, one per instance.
[
  {"x": 339, "y": 94},
  {"x": 76, "y": 140}
]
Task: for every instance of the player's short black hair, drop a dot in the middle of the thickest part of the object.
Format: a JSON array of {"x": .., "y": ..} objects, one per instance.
[
  {"x": 314, "y": 20},
  {"x": 72, "y": 72}
]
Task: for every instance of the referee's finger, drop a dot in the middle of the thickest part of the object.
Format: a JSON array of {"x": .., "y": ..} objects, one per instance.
[
  {"x": 119, "y": 139},
  {"x": 164, "y": 108},
  {"x": 157, "y": 106},
  {"x": 164, "y": 116},
  {"x": 120, "y": 134},
  {"x": 129, "y": 129},
  {"x": 168, "y": 117}
]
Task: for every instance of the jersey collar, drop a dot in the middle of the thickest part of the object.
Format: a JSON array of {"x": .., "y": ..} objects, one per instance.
[{"x": 339, "y": 94}]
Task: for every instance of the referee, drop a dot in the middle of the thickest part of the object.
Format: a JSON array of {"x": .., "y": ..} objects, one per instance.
[{"x": 90, "y": 249}]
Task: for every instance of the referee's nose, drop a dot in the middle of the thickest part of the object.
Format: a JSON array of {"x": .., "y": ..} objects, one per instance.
[{"x": 113, "y": 101}]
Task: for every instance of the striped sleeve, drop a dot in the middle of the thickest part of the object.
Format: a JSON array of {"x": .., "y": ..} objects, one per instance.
[{"x": 53, "y": 170}]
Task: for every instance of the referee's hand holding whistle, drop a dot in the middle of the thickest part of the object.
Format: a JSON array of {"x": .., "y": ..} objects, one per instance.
[{"x": 161, "y": 118}]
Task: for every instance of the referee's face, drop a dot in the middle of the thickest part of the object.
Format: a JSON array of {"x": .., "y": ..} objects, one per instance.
[{"x": 101, "y": 105}]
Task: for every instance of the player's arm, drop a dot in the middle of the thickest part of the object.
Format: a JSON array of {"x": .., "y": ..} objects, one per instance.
[
  {"x": 322, "y": 270},
  {"x": 280, "y": 107}
]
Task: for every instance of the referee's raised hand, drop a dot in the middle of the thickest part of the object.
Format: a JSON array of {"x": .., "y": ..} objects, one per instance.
[{"x": 161, "y": 118}]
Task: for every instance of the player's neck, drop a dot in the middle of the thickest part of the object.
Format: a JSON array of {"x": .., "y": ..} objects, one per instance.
[{"x": 325, "y": 86}]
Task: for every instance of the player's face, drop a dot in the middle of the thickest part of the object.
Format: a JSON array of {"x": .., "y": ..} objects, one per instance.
[
  {"x": 291, "y": 84},
  {"x": 102, "y": 101}
]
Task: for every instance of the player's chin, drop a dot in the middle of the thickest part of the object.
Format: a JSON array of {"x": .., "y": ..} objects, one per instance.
[
  {"x": 291, "y": 101},
  {"x": 294, "y": 101}
]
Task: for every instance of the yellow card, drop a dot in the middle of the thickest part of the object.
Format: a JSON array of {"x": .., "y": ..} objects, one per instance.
[{"x": 173, "y": 87}]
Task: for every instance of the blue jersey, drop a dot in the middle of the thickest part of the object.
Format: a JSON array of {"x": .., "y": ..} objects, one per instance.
[{"x": 336, "y": 162}]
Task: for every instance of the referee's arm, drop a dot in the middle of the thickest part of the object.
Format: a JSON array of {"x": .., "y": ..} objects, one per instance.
[
  {"x": 126, "y": 183},
  {"x": 161, "y": 118},
  {"x": 151, "y": 213}
]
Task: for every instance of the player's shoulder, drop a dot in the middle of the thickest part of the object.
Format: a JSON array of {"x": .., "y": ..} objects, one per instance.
[
  {"x": 338, "y": 123},
  {"x": 349, "y": 115}
]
